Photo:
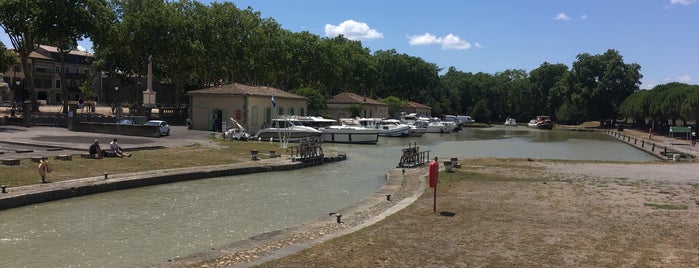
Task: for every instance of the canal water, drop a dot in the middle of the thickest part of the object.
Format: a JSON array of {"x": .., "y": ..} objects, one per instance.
[{"x": 151, "y": 225}]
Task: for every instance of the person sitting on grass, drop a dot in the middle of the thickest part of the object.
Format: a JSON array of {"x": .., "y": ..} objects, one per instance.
[
  {"x": 95, "y": 150},
  {"x": 116, "y": 149}
]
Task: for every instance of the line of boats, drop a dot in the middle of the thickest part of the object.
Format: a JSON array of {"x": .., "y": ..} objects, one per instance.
[
  {"x": 356, "y": 130},
  {"x": 346, "y": 130},
  {"x": 540, "y": 122}
]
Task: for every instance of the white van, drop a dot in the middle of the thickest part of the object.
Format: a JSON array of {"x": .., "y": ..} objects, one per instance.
[{"x": 464, "y": 119}]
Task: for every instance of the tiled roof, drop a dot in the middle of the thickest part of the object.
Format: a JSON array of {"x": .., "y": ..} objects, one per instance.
[
  {"x": 351, "y": 98},
  {"x": 413, "y": 104},
  {"x": 72, "y": 52},
  {"x": 240, "y": 89}
]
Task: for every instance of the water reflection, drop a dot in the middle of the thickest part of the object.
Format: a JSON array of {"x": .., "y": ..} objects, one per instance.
[{"x": 153, "y": 224}]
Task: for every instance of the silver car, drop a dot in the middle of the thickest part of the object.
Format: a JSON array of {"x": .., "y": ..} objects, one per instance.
[{"x": 164, "y": 127}]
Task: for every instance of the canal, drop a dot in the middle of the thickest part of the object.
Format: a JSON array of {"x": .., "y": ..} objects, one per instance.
[{"x": 151, "y": 225}]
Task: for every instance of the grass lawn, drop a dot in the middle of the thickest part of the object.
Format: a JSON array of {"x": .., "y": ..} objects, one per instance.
[{"x": 26, "y": 173}]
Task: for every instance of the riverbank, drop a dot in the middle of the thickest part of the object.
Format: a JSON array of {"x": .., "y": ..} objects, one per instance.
[{"x": 508, "y": 212}]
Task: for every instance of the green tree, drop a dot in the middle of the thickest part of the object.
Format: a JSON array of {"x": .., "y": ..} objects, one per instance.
[
  {"x": 394, "y": 105},
  {"x": 636, "y": 106},
  {"x": 481, "y": 112},
  {"x": 316, "y": 100},
  {"x": 543, "y": 81},
  {"x": 63, "y": 23},
  {"x": 603, "y": 82},
  {"x": 19, "y": 19},
  {"x": 7, "y": 58},
  {"x": 355, "y": 109}
]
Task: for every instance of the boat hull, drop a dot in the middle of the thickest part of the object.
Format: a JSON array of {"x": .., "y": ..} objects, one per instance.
[
  {"x": 350, "y": 137},
  {"x": 278, "y": 134}
]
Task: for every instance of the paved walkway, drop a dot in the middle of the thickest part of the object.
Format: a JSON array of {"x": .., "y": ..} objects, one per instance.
[{"x": 41, "y": 139}]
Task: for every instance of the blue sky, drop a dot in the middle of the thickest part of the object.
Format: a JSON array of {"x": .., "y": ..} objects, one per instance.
[{"x": 493, "y": 36}]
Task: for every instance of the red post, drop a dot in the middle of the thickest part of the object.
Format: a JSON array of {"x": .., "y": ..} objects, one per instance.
[{"x": 434, "y": 179}]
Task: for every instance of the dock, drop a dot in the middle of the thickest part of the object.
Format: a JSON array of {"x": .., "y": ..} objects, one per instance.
[
  {"x": 412, "y": 157},
  {"x": 666, "y": 151}
]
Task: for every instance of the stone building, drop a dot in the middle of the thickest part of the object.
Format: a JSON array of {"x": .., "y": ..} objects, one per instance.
[
  {"x": 338, "y": 106},
  {"x": 251, "y": 106}
]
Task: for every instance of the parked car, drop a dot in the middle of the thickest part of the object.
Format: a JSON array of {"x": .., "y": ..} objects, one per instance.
[
  {"x": 164, "y": 127},
  {"x": 127, "y": 121},
  {"x": 464, "y": 119}
]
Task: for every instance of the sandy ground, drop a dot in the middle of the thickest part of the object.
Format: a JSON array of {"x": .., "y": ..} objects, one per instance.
[{"x": 505, "y": 213}]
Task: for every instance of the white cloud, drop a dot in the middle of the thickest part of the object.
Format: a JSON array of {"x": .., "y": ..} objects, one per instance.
[
  {"x": 682, "y": 2},
  {"x": 561, "y": 16},
  {"x": 448, "y": 42},
  {"x": 352, "y": 30},
  {"x": 684, "y": 79},
  {"x": 81, "y": 48},
  {"x": 583, "y": 17},
  {"x": 425, "y": 39}
]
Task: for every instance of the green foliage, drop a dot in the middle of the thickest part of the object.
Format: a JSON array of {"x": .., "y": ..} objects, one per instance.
[
  {"x": 355, "y": 109},
  {"x": 316, "y": 101},
  {"x": 394, "y": 104},
  {"x": 481, "y": 112},
  {"x": 7, "y": 58}
]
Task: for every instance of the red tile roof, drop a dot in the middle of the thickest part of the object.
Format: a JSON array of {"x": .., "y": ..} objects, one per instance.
[
  {"x": 351, "y": 98},
  {"x": 240, "y": 89},
  {"x": 413, "y": 104}
]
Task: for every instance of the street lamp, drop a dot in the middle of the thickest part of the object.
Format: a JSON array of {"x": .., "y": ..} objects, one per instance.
[
  {"x": 14, "y": 94},
  {"x": 116, "y": 102}
]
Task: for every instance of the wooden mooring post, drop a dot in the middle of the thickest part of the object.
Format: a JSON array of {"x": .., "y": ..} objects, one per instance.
[{"x": 412, "y": 157}]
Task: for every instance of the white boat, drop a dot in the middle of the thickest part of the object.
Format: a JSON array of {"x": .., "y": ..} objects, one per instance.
[
  {"x": 287, "y": 129},
  {"x": 434, "y": 125},
  {"x": 414, "y": 130},
  {"x": 350, "y": 134},
  {"x": 316, "y": 122},
  {"x": 510, "y": 122},
  {"x": 386, "y": 130},
  {"x": 235, "y": 131},
  {"x": 541, "y": 122},
  {"x": 347, "y": 132}
]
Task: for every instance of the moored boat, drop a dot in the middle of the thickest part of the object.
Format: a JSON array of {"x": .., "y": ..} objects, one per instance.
[
  {"x": 510, "y": 122},
  {"x": 541, "y": 122},
  {"x": 287, "y": 128},
  {"x": 350, "y": 134},
  {"x": 386, "y": 130}
]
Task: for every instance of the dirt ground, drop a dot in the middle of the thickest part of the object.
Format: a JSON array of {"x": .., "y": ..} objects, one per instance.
[{"x": 505, "y": 213}]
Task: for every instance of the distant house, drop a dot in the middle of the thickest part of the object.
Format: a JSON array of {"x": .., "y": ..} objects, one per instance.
[
  {"x": 250, "y": 106},
  {"x": 418, "y": 108},
  {"x": 45, "y": 64},
  {"x": 338, "y": 106}
]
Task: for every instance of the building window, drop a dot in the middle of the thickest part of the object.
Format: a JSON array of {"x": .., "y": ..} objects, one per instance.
[
  {"x": 254, "y": 116},
  {"x": 57, "y": 70},
  {"x": 291, "y": 111},
  {"x": 301, "y": 112},
  {"x": 280, "y": 111},
  {"x": 268, "y": 115},
  {"x": 58, "y": 84}
]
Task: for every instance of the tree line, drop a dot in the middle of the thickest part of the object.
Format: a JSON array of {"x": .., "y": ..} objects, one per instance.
[{"x": 193, "y": 45}]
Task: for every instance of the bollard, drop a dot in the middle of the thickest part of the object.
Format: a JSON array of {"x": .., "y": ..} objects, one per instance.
[
  {"x": 272, "y": 154},
  {"x": 254, "y": 154},
  {"x": 388, "y": 197},
  {"x": 447, "y": 166},
  {"x": 455, "y": 162},
  {"x": 3, "y": 189},
  {"x": 106, "y": 175},
  {"x": 339, "y": 218}
]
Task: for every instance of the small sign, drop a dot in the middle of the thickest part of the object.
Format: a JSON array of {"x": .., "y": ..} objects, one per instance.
[{"x": 680, "y": 129}]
